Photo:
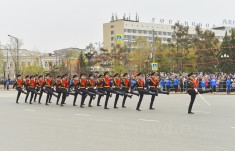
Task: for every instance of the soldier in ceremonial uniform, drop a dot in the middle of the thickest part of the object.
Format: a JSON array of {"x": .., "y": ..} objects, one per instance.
[
  {"x": 59, "y": 90},
  {"x": 141, "y": 87},
  {"x": 108, "y": 89},
  {"x": 40, "y": 85},
  {"x": 64, "y": 87},
  {"x": 153, "y": 84},
  {"x": 26, "y": 84},
  {"x": 117, "y": 87},
  {"x": 83, "y": 86},
  {"x": 91, "y": 84},
  {"x": 36, "y": 88},
  {"x": 192, "y": 91},
  {"x": 19, "y": 87},
  {"x": 100, "y": 88},
  {"x": 49, "y": 88},
  {"x": 126, "y": 87},
  {"x": 31, "y": 88},
  {"x": 75, "y": 86}
]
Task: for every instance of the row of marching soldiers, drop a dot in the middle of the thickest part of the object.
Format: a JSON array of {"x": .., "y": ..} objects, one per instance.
[{"x": 89, "y": 86}]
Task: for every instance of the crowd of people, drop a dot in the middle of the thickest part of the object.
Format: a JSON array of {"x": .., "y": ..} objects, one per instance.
[{"x": 218, "y": 82}]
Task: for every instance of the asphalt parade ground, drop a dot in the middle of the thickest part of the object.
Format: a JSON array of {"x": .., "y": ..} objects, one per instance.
[{"x": 25, "y": 127}]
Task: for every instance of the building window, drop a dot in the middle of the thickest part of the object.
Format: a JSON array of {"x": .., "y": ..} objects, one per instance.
[
  {"x": 140, "y": 31},
  {"x": 28, "y": 63},
  {"x": 112, "y": 38},
  {"x": 112, "y": 26},
  {"x": 112, "y": 44},
  {"x": 126, "y": 30},
  {"x": 159, "y": 33},
  {"x": 164, "y": 33},
  {"x": 112, "y": 32},
  {"x": 150, "y": 38},
  {"x": 169, "y": 33},
  {"x": 150, "y": 32},
  {"x": 134, "y": 31},
  {"x": 145, "y": 31},
  {"x": 133, "y": 37},
  {"x": 129, "y": 30}
]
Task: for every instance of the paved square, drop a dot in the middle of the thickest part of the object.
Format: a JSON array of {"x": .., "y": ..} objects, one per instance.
[{"x": 25, "y": 127}]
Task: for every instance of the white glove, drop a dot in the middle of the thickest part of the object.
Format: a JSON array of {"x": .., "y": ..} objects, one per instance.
[{"x": 196, "y": 90}]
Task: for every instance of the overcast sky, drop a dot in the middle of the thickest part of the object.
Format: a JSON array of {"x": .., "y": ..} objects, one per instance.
[{"x": 48, "y": 25}]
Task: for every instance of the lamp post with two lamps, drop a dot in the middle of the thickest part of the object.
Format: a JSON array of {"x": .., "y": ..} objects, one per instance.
[
  {"x": 224, "y": 56},
  {"x": 17, "y": 54}
]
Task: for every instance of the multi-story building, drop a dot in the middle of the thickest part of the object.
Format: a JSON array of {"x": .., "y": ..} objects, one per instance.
[{"x": 130, "y": 29}]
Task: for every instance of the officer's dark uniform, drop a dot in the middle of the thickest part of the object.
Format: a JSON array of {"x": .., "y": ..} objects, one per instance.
[{"x": 191, "y": 86}]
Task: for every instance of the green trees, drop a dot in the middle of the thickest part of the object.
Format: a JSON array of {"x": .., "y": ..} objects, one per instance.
[
  {"x": 227, "y": 53},
  {"x": 83, "y": 64},
  {"x": 32, "y": 70}
]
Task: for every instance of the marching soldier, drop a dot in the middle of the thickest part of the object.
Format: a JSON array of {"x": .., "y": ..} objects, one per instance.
[
  {"x": 91, "y": 84},
  {"x": 153, "y": 84},
  {"x": 117, "y": 87},
  {"x": 26, "y": 84},
  {"x": 64, "y": 87},
  {"x": 75, "y": 86},
  {"x": 100, "y": 87},
  {"x": 108, "y": 89},
  {"x": 59, "y": 90},
  {"x": 31, "y": 88},
  {"x": 141, "y": 89},
  {"x": 49, "y": 88},
  {"x": 40, "y": 85},
  {"x": 83, "y": 86},
  {"x": 36, "y": 88},
  {"x": 126, "y": 87},
  {"x": 19, "y": 87}
]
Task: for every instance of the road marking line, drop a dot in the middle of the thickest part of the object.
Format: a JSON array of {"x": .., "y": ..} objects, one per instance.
[
  {"x": 29, "y": 110},
  {"x": 149, "y": 120},
  {"x": 82, "y": 114},
  {"x": 100, "y": 120},
  {"x": 202, "y": 112}
]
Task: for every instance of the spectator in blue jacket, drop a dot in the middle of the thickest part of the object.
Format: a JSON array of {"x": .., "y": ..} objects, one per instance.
[
  {"x": 213, "y": 84},
  {"x": 176, "y": 84},
  {"x": 228, "y": 85},
  {"x": 168, "y": 84},
  {"x": 203, "y": 84}
]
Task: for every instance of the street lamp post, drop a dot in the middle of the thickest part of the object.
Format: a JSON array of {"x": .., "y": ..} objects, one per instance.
[
  {"x": 17, "y": 53},
  {"x": 225, "y": 56},
  {"x": 146, "y": 65},
  {"x": 89, "y": 55}
]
